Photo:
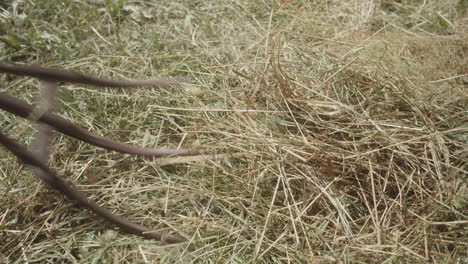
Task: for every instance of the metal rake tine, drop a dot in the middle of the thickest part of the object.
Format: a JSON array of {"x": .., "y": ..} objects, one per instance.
[
  {"x": 46, "y": 73},
  {"x": 49, "y": 177},
  {"x": 23, "y": 109}
]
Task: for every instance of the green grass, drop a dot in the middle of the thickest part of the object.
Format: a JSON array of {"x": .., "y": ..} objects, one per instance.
[{"x": 341, "y": 129}]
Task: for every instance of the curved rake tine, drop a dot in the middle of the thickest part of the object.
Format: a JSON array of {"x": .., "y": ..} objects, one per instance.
[
  {"x": 49, "y": 177},
  {"x": 77, "y": 77},
  {"x": 22, "y": 109}
]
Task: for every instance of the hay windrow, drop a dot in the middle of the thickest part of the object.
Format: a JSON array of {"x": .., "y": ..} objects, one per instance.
[{"x": 336, "y": 131}]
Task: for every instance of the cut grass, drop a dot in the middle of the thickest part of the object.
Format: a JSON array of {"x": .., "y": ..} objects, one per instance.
[{"x": 340, "y": 127}]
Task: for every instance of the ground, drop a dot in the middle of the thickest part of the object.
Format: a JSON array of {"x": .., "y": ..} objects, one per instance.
[{"x": 336, "y": 131}]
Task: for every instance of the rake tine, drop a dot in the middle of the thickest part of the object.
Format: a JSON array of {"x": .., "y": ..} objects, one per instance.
[
  {"x": 23, "y": 109},
  {"x": 52, "y": 74},
  {"x": 49, "y": 177}
]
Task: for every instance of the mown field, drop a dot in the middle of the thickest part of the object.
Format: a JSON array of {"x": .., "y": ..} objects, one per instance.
[{"x": 333, "y": 131}]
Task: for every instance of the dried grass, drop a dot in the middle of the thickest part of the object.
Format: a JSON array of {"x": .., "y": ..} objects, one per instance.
[{"x": 336, "y": 132}]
